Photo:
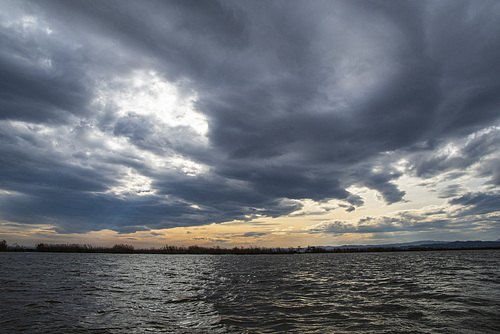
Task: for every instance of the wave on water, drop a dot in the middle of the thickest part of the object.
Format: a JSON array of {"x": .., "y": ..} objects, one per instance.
[{"x": 412, "y": 292}]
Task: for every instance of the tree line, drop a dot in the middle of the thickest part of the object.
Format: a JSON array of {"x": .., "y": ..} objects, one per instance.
[
  {"x": 129, "y": 249},
  {"x": 169, "y": 249}
]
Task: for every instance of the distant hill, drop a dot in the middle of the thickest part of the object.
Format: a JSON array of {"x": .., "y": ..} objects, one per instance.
[
  {"x": 463, "y": 244},
  {"x": 424, "y": 244}
]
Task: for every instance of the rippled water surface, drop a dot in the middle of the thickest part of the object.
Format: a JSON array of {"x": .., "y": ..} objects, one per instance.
[{"x": 409, "y": 292}]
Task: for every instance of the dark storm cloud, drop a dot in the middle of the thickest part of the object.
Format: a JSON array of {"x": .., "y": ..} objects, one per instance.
[
  {"x": 466, "y": 44},
  {"x": 477, "y": 203},
  {"x": 31, "y": 94},
  {"x": 451, "y": 191},
  {"x": 30, "y": 166},
  {"x": 377, "y": 177},
  {"x": 302, "y": 101},
  {"x": 479, "y": 154}
]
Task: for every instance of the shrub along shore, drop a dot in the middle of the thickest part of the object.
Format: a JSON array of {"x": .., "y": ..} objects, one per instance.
[{"x": 168, "y": 249}]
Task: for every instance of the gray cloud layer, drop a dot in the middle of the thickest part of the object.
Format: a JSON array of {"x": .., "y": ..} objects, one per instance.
[
  {"x": 466, "y": 214},
  {"x": 301, "y": 100}
]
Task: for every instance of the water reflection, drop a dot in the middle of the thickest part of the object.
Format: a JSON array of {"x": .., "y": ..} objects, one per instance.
[
  {"x": 447, "y": 292},
  {"x": 165, "y": 292},
  {"x": 379, "y": 292},
  {"x": 109, "y": 293}
]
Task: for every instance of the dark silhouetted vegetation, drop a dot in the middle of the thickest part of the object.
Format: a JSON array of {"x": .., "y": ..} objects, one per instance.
[
  {"x": 5, "y": 247},
  {"x": 85, "y": 248},
  {"x": 122, "y": 248},
  {"x": 169, "y": 249},
  {"x": 68, "y": 248}
]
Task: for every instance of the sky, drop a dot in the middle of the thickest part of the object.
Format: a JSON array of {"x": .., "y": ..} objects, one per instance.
[{"x": 249, "y": 123}]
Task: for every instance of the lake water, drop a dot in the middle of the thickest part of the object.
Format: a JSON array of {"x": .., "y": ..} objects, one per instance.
[{"x": 407, "y": 292}]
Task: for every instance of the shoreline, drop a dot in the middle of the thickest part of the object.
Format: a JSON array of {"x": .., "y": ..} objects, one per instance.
[{"x": 128, "y": 249}]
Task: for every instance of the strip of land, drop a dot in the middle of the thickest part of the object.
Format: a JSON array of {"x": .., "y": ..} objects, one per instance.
[{"x": 168, "y": 249}]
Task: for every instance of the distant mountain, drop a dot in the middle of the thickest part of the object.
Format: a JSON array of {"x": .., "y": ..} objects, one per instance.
[
  {"x": 464, "y": 244},
  {"x": 423, "y": 244},
  {"x": 396, "y": 245}
]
